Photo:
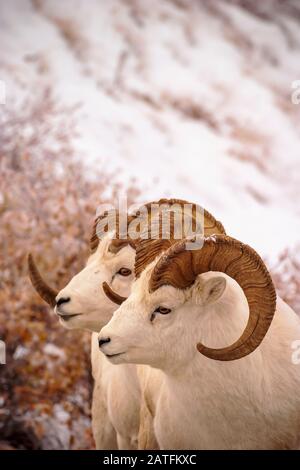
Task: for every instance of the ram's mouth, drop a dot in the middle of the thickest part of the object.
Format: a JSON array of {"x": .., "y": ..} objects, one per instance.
[
  {"x": 114, "y": 355},
  {"x": 68, "y": 317}
]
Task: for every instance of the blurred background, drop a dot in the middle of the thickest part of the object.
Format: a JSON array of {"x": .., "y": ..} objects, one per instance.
[{"x": 182, "y": 98}]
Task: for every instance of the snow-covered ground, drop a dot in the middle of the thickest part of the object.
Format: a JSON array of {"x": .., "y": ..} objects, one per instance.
[{"x": 190, "y": 98}]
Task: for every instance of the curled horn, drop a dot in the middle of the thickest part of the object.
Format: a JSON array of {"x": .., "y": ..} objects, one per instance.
[
  {"x": 112, "y": 295},
  {"x": 45, "y": 292},
  {"x": 180, "y": 267},
  {"x": 148, "y": 248},
  {"x": 94, "y": 238},
  {"x": 211, "y": 225}
]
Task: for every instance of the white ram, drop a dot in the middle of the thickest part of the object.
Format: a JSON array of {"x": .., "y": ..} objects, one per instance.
[
  {"x": 243, "y": 396},
  {"x": 83, "y": 304}
]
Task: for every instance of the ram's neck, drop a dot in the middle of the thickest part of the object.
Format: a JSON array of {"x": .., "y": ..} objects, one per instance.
[
  {"x": 219, "y": 326},
  {"x": 223, "y": 322},
  {"x": 206, "y": 404}
]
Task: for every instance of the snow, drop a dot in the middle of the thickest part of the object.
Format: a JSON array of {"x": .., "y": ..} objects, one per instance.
[
  {"x": 53, "y": 350},
  {"x": 191, "y": 99},
  {"x": 20, "y": 352},
  {"x": 60, "y": 414}
]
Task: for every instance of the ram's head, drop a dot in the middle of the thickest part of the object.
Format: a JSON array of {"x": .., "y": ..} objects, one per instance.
[
  {"x": 185, "y": 298},
  {"x": 90, "y": 298}
]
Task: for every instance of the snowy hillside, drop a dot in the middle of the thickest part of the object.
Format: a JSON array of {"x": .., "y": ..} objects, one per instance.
[{"x": 190, "y": 98}]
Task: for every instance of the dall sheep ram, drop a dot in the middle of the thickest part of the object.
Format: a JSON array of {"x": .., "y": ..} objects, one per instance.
[
  {"x": 184, "y": 309},
  {"x": 83, "y": 304}
]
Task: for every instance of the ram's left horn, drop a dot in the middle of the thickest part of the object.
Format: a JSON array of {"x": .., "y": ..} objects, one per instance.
[
  {"x": 112, "y": 295},
  {"x": 180, "y": 267},
  {"x": 45, "y": 292}
]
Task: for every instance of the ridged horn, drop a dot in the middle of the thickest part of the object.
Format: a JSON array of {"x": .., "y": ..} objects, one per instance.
[
  {"x": 112, "y": 295},
  {"x": 149, "y": 246},
  {"x": 45, "y": 292},
  {"x": 211, "y": 225},
  {"x": 179, "y": 268}
]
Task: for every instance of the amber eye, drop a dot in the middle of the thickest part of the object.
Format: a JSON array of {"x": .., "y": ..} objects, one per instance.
[
  {"x": 124, "y": 272},
  {"x": 163, "y": 310}
]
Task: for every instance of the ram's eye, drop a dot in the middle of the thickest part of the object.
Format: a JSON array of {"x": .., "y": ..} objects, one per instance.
[
  {"x": 124, "y": 272},
  {"x": 163, "y": 310}
]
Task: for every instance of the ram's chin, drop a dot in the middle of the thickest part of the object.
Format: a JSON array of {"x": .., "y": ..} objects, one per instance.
[
  {"x": 128, "y": 357},
  {"x": 119, "y": 358},
  {"x": 71, "y": 323}
]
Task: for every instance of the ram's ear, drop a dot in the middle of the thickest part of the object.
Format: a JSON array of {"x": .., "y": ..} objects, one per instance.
[{"x": 212, "y": 289}]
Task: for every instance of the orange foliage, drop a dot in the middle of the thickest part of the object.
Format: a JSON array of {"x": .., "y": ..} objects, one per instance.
[{"x": 47, "y": 205}]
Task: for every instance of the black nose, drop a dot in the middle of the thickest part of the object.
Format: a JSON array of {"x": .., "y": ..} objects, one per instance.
[
  {"x": 62, "y": 300},
  {"x": 103, "y": 341}
]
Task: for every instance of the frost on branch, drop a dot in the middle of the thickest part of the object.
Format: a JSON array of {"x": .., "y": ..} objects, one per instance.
[{"x": 47, "y": 206}]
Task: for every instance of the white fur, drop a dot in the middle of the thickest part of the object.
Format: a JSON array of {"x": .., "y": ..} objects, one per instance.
[
  {"x": 116, "y": 396},
  {"x": 200, "y": 403},
  {"x": 85, "y": 289},
  {"x": 117, "y": 401}
]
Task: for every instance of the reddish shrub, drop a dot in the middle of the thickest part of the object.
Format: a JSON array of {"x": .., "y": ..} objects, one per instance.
[{"x": 47, "y": 205}]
